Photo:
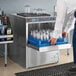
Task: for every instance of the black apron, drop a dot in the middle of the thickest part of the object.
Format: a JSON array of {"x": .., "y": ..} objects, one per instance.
[{"x": 74, "y": 43}]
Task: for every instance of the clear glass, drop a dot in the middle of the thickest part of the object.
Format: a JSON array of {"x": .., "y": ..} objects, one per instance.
[
  {"x": 41, "y": 31},
  {"x": 27, "y": 9},
  {"x": 39, "y": 10}
]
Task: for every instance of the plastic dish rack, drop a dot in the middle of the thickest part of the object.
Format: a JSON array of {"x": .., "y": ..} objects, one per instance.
[{"x": 43, "y": 43}]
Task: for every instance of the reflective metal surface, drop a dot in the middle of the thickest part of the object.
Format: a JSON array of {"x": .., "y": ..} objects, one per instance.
[{"x": 23, "y": 53}]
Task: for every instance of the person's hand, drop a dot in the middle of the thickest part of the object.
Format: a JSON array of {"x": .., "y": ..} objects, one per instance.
[{"x": 53, "y": 41}]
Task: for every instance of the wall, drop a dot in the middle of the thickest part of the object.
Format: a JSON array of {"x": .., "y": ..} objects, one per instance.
[{"x": 11, "y": 6}]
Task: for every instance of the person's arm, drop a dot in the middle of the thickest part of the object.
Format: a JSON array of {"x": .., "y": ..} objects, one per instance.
[
  {"x": 61, "y": 13},
  {"x": 70, "y": 14},
  {"x": 70, "y": 22}
]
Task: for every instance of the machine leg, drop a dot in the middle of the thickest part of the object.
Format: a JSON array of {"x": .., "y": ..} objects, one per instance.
[
  {"x": 67, "y": 51},
  {"x": 5, "y": 55}
]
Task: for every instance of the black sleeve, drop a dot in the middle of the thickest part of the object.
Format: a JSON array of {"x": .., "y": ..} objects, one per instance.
[{"x": 75, "y": 14}]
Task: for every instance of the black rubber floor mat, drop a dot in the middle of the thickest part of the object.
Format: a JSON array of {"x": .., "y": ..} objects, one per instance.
[{"x": 60, "y": 70}]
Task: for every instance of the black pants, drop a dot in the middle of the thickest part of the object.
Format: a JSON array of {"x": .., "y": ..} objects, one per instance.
[{"x": 74, "y": 43}]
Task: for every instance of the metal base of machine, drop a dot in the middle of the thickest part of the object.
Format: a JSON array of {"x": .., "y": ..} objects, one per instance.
[{"x": 37, "y": 58}]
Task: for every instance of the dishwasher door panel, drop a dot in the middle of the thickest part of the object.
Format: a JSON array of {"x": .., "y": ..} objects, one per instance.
[
  {"x": 49, "y": 57},
  {"x": 37, "y": 58}
]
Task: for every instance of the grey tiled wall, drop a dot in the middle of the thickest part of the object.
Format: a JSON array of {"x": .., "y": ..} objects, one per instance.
[{"x": 11, "y": 6}]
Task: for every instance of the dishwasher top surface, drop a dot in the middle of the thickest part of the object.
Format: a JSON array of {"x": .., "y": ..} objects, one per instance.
[{"x": 32, "y": 14}]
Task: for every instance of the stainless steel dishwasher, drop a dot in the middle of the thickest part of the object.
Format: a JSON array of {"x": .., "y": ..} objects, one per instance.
[{"x": 37, "y": 25}]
